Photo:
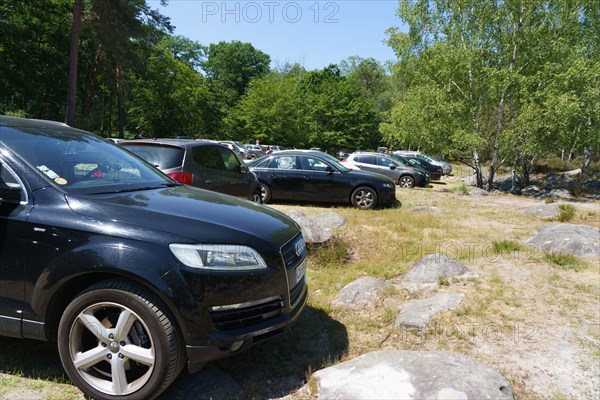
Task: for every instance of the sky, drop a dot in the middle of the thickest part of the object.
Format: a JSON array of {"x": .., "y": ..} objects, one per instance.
[{"x": 309, "y": 32}]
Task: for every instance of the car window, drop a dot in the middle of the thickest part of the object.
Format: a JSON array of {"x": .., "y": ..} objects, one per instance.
[
  {"x": 163, "y": 157},
  {"x": 313, "y": 164},
  {"x": 216, "y": 157},
  {"x": 8, "y": 176},
  {"x": 80, "y": 163},
  {"x": 261, "y": 164},
  {"x": 366, "y": 159},
  {"x": 283, "y": 162},
  {"x": 384, "y": 161}
]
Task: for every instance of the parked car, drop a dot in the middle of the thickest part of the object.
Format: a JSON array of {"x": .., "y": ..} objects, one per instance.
[
  {"x": 446, "y": 168},
  {"x": 238, "y": 149},
  {"x": 435, "y": 171},
  {"x": 201, "y": 163},
  {"x": 342, "y": 154},
  {"x": 274, "y": 148},
  {"x": 315, "y": 176},
  {"x": 133, "y": 274},
  {"x": 256, "y": 150},
  {"x": 403, "y": 173}
]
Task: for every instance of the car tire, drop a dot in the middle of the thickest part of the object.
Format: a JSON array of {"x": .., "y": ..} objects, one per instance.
[
  {"x": 116, "y": 341},
  {"x": 406, "y": 181},
  {"x": 265, "y": 193},
  {"x": 364, "y": 198},
  {"x": 257, "y": 196}
]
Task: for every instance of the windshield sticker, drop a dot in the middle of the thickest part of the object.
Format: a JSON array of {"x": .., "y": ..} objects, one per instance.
[
  {"x": 48, "y": 172},
  {"x": 60, "y": 181}
]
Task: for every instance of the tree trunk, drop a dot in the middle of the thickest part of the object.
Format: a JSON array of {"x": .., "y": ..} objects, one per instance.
[
  {"x": 477, "y": 169},
  {"x": 90, "y": 85},
  {"x": 587, "y": 157},
  {"x": 120, "y": 111},
  {"x": 73, "y": 59},
  {"x": 515, "y": 184},
  {"x": 562, "y": 155},
  {"x": 493, "y": 168}
]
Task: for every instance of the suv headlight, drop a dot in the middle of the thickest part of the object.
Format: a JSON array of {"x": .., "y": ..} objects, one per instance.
[
  {"x": 387, "y": 185},
  {"x": 220, "y": 257}
]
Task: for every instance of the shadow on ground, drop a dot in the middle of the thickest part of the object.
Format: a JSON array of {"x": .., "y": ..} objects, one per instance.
[{"x": 271, "y": 369}]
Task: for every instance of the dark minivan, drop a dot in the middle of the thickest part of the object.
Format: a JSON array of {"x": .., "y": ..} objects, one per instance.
[
  {"x": 201, "y": 163},
  {"x": 134, "y": 274}
]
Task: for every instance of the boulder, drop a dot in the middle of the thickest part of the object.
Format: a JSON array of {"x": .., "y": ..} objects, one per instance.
[
  {"x": 560, "y": 194},
  {"x": 577, "y": 240},
  {"x": 551, "y": 210},
  {"x": 317, "y": 229},
  {"x": 475, "y": 191},
  {"x": 433, "y": 267},
  {"x": 403, "y": 374},
  {"x": 362, "y": 292},
  {"x": 330, "y": 220},
  {"x": 418, "y": 313}
]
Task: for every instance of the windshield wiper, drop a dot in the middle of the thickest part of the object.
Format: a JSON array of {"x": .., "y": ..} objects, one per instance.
[{"x": 140, "y": 188}]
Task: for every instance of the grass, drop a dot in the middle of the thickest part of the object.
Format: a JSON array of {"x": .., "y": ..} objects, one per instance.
[
  {"x": 565, "y": 261},
  {"x": 506, "y": 246},
  {"x": 384, "y": 243},
  {"x": 567, "y": 213}
]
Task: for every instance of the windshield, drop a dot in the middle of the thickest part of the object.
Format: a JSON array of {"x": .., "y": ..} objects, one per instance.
[
  {"x": 81, "y": 163},
  {"x": 335, "y": 162}
]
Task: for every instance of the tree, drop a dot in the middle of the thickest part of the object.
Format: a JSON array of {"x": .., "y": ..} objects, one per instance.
[
  {"x": 475, "y": 58},
  {"x": 169, "y": 96}
]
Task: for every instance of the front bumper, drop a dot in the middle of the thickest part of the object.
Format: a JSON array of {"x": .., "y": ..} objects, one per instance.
[{"x": 238, "y": 340}]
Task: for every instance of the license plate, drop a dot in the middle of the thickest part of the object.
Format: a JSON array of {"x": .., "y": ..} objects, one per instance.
[{"x": 300, "y": 272}]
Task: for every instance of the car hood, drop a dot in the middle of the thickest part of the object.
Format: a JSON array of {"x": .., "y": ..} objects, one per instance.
[{"x": 199, "y": 215}]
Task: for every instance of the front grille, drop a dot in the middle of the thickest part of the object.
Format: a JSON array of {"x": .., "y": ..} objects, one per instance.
[
  {"x": 240, "y": 316},
  {"x": 296, "y": 292},
  {"x": 288, "y": 252}
]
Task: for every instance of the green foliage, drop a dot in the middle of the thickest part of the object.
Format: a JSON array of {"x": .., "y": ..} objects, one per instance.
[
  {"x": 332, "y": 254},
  {"x": 567, "y": 212},
  {"x": 509, "y": 80},
  {"x": 506, "y": 246},
  {"x": 566, "y": 261}
]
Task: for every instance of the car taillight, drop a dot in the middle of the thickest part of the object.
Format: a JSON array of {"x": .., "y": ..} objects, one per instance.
[{"x": 182, "y": 177}]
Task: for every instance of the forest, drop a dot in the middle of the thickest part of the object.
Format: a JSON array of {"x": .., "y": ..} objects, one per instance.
[{"x": 484, "y": 82}]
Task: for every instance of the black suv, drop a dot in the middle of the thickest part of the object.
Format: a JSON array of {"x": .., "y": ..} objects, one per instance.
[
  {"x": 133, "y": 274},
  {"x": 201, "y": 163}
]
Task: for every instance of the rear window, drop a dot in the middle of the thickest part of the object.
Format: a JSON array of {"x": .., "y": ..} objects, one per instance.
[{"x": 162, "y": 157}]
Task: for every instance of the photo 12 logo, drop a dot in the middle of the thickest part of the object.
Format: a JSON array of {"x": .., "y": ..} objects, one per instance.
[{"x": 270, "y": 11}]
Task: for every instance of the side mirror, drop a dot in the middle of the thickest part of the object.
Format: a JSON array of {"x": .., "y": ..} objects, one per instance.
[
  {"x": 244, "y": 169},
  {"x": 329, "y": 169},
  {"x": 393, "y": 166},
  {"x": 10, "y": 193}
]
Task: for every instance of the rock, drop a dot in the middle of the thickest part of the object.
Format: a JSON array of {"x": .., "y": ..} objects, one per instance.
[
  {"x": 402, "y": 374},
  {"x": 424, "y": 208},
  {"x": 433, "y": 267},
  {"x": 209, "y": 383},
  {"x": 577, "y": 240},
  {"x": 560, "y": 194},
  {"x": 543, "y": 210},
  {"x": 475, "y": 191},
  {"x": 362, "y": 292},
  {"x": 418, "y": 313},
  {"x": 573, "y": 172},
  {"x": 317, "y": 229},
  {"x": 330, "y": 220},
  {"x": 531, "y": 190}
]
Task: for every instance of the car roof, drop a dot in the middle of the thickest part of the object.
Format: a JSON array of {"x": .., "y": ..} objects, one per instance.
[
  {"x": 184, "y": 143},
  {"x": 32, "y": 123},
  {"x": 296, "y": 152}
]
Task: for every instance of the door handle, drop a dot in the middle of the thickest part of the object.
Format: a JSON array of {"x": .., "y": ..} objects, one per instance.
[{"x": 208, "y": 181}]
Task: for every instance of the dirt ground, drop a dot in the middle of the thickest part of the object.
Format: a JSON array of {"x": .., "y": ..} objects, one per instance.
[{"x": 536, "y": 324}]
